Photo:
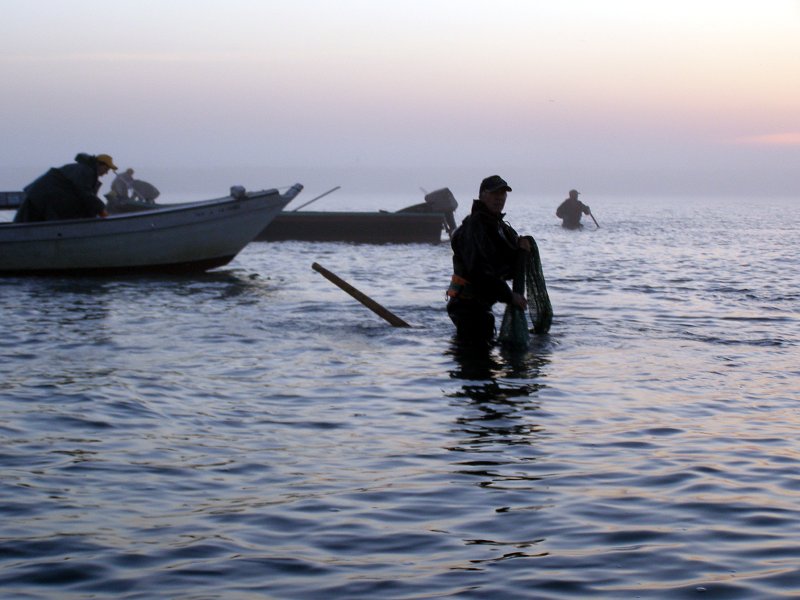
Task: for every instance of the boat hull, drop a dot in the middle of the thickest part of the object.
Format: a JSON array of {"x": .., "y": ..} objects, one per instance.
[
  {"x": 356, "y": 227},
  {"x": 189, "y": 237}
]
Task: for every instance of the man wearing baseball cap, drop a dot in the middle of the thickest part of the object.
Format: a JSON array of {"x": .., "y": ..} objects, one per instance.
[
  {"x": 570, "y": 211},
  {"x": 67, "y": 192},
  {"x": 484, "y": 254}
]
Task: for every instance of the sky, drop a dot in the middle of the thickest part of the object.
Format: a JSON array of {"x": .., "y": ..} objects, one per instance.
[{"x": 661, "y": 97}]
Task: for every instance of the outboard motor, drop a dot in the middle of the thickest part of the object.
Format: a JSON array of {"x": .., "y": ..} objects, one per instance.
[
  {"x": 443, "y": 201},
  {"x": 438, "y": 201}
]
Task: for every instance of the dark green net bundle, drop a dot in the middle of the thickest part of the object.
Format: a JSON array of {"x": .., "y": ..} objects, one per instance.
[{"x": 528, "y": 277}]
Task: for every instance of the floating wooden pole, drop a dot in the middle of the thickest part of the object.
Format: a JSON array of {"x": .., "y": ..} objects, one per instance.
[{"x": 379, "y": 310}]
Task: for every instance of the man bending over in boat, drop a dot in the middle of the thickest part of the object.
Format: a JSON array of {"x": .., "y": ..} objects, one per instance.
[
  {"x": 570, "y": 211},
  {"x": 484, "y": 255},
  {"x": 67, "y": 192}
]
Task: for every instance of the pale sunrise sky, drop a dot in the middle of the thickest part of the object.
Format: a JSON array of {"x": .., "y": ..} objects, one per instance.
[{"x": 682, "y": 95}]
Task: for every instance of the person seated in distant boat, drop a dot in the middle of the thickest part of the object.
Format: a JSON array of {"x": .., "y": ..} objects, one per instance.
[
  {"x": 485, "y": 250},
  {"x": 125, "y": 187},
  {"x": 571, "y": 210},
  {"x": 67, "y": 192},
  {"x": 122, "y": 184}
]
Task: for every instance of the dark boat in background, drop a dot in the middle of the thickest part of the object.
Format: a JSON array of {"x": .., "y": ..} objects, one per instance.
[
  {"x": 355, "y": 227},
  {"x": 417, "y": 224}
]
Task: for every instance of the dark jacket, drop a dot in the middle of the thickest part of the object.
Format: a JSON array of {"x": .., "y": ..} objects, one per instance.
[
  {"x": 68, "y": 192},
  {"x": 484, "y": 253},
  {"x": 570, "y": 212}
]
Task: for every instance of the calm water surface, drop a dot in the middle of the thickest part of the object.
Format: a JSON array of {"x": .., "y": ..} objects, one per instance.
[{"x": 256, "y": 433}]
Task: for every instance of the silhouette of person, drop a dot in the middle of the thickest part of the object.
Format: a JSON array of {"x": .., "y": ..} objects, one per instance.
[
  {"x": 122, "y": 184},
  {"x": 67, "y": 192},
  {"x": 571, "y": 210},
  {"x": 484, "y": 255}
]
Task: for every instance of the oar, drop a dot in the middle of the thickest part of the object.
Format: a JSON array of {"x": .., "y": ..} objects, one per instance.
[
  {"x": 595, "y": 220},
  {"x": 379, "y": 310},
  {"x": 317, "y": 198}
]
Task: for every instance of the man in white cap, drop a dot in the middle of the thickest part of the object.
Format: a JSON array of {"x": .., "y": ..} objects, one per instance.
[{"x": 67, "y": 192}]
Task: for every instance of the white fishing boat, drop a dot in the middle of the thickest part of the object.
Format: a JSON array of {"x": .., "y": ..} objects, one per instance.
[{"x": 194, "y": 236}]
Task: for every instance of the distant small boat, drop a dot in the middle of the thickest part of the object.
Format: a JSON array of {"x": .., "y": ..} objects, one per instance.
[
  {"x": 189, "y": 237},
  {"x": 421, "y": 224}
]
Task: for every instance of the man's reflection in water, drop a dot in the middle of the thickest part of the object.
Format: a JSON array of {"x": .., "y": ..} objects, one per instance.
[
  {"x": 501, "y": 386},
  {"x": 482, "y": 363},
  {"x": 496, "y": 449}
]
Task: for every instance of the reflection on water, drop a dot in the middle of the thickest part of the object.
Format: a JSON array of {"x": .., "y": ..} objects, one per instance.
[
  {"x": 500, "y": 387},
  {"x": 481, "y": 362}
]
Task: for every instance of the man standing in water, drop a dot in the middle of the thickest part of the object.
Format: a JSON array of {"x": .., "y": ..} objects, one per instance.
[
  {"x": 484, "y": 254},
  {"x": 570, "y": 211},
  {"x": 67, "y": 192}
]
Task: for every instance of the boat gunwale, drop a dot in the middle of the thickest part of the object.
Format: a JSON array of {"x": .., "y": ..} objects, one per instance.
[{"x": 148, "y": 213}]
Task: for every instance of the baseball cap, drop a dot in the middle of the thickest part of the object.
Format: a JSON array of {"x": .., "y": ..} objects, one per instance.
[{"x": 494, "y": 183}]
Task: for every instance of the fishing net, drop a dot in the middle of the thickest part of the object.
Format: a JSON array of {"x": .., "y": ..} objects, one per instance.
[
  {"x": 539, "y": 307},
  {"x": 514, "y": 328},
  {"x": 528, "y": 276}
]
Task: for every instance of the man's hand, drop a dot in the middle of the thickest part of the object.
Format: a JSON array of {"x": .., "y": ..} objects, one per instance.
[{"x": 519, "y": 300}]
